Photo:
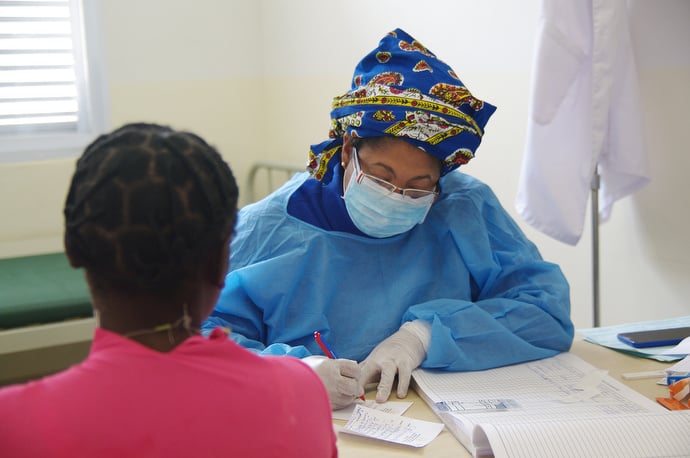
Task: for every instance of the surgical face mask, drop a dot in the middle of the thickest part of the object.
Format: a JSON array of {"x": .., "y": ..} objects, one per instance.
[{"x": 378, "y": 210}]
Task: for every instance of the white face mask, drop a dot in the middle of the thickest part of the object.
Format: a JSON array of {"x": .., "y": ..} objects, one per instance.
[{"x": 380, "y": 212}]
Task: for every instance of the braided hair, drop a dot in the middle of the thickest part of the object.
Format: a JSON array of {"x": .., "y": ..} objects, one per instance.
[{"x": 147, "y": 206}]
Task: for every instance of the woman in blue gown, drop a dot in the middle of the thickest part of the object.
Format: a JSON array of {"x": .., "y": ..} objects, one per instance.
[{"x": 396, "y": 257}]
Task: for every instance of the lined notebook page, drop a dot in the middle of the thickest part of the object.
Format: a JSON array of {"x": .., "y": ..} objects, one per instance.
[
  {"x": 552, "y": 407},
  {"x": 650, "y": 435}
]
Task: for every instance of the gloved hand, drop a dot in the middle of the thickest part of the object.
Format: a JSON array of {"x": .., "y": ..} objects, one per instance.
[
  {"x": 341, "y": 378},
  {"x": 400, "y": 353}
]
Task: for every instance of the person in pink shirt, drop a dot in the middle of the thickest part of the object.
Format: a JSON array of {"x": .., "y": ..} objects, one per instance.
[{"x": 149, "y": 215}]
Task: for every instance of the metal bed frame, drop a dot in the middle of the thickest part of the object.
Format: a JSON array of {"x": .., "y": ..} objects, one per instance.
[{"x": 266, "y": 177}]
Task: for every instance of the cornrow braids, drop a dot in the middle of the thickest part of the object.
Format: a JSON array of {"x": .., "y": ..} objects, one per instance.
[{"x": 147, "y": 205}]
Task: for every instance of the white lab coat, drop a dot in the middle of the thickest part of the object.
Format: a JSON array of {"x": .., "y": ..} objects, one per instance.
[{"x": 584, "y": 111}]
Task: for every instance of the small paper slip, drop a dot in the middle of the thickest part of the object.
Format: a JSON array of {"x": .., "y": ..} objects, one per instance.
[
  {"x": 683, "y": 348},
  {"x": 681, "y": 366},
  {"x": 391, "y": 428},
  {"x": 393, "y": 407}
]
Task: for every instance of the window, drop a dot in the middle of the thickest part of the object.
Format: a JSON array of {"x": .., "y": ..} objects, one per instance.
[{"x": 52, "y": 93}]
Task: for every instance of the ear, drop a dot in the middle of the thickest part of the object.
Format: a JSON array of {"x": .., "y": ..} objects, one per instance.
[{"x": 346, "y": 153}]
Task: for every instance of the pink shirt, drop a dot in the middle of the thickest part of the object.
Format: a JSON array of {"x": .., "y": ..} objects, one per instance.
[{"x": 206, "y": 398}]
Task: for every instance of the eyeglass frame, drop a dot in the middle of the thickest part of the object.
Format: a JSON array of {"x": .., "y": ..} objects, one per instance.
[{"x": 390, "y": 187}]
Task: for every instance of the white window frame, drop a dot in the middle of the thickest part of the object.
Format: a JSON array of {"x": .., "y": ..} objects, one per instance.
[{"x": 94, "y": 113}]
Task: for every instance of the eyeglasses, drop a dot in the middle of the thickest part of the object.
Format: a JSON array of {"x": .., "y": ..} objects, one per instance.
[{"x": 411, "y": 193}]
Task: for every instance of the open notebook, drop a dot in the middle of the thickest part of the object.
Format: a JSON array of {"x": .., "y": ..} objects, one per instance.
[{"x": 560, "y": 406}]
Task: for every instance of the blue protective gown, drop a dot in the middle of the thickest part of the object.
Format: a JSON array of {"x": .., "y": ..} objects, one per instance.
[{"x": 468, "y": 270}]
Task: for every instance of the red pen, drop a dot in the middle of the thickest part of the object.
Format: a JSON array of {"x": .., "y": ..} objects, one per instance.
[{"x": 327, "y": 350}]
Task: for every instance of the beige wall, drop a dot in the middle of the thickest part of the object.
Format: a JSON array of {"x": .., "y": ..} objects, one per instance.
[
  {"x": 256, "y": 78},
  {"x": 192, "y": 65}
]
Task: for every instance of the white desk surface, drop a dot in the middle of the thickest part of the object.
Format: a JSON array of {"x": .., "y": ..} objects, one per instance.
[{"x": 446, "y": 445}]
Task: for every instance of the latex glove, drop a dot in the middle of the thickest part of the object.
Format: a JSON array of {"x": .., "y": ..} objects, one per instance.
[
  {"x": 400, "y": 354},
  {"x": 341, "y": 378}
]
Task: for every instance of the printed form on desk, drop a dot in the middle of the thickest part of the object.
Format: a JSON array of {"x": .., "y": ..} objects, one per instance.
[
  {"x": 385, "y": 422},
  {"x": 560, "y": 406}
]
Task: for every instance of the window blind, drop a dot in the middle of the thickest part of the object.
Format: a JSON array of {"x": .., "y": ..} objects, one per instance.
[{"x": 42, "y": 78}]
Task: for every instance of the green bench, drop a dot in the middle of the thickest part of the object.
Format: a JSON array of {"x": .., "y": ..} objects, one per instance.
[
  {"x": 46, "y": 320},
  {"x": 41, "y": 289}
]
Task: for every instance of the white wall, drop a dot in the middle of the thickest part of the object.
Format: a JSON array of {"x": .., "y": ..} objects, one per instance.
[
  {"x": 646, "y": 253},
  {"x": 256, "y": 78},
  {"x": 644, "y": 248}
]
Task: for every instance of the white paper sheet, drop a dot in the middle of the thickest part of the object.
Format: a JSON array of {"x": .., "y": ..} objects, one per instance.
[
  {"x": 390, "y": 427},
  {"x": 680, "y": 367},
  {"x": 683, "y": 348}
]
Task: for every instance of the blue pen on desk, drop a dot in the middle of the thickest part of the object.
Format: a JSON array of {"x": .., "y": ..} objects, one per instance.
[
  {"x": 327, "y": 350},
  {"x": 673, "y": 378}
]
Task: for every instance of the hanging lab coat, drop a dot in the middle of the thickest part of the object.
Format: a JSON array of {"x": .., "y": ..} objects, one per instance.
[{"x": 584, "y": 116}]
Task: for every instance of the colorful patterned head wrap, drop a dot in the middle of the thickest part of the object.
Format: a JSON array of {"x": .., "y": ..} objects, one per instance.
[{"x": 402, "y": 89}]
